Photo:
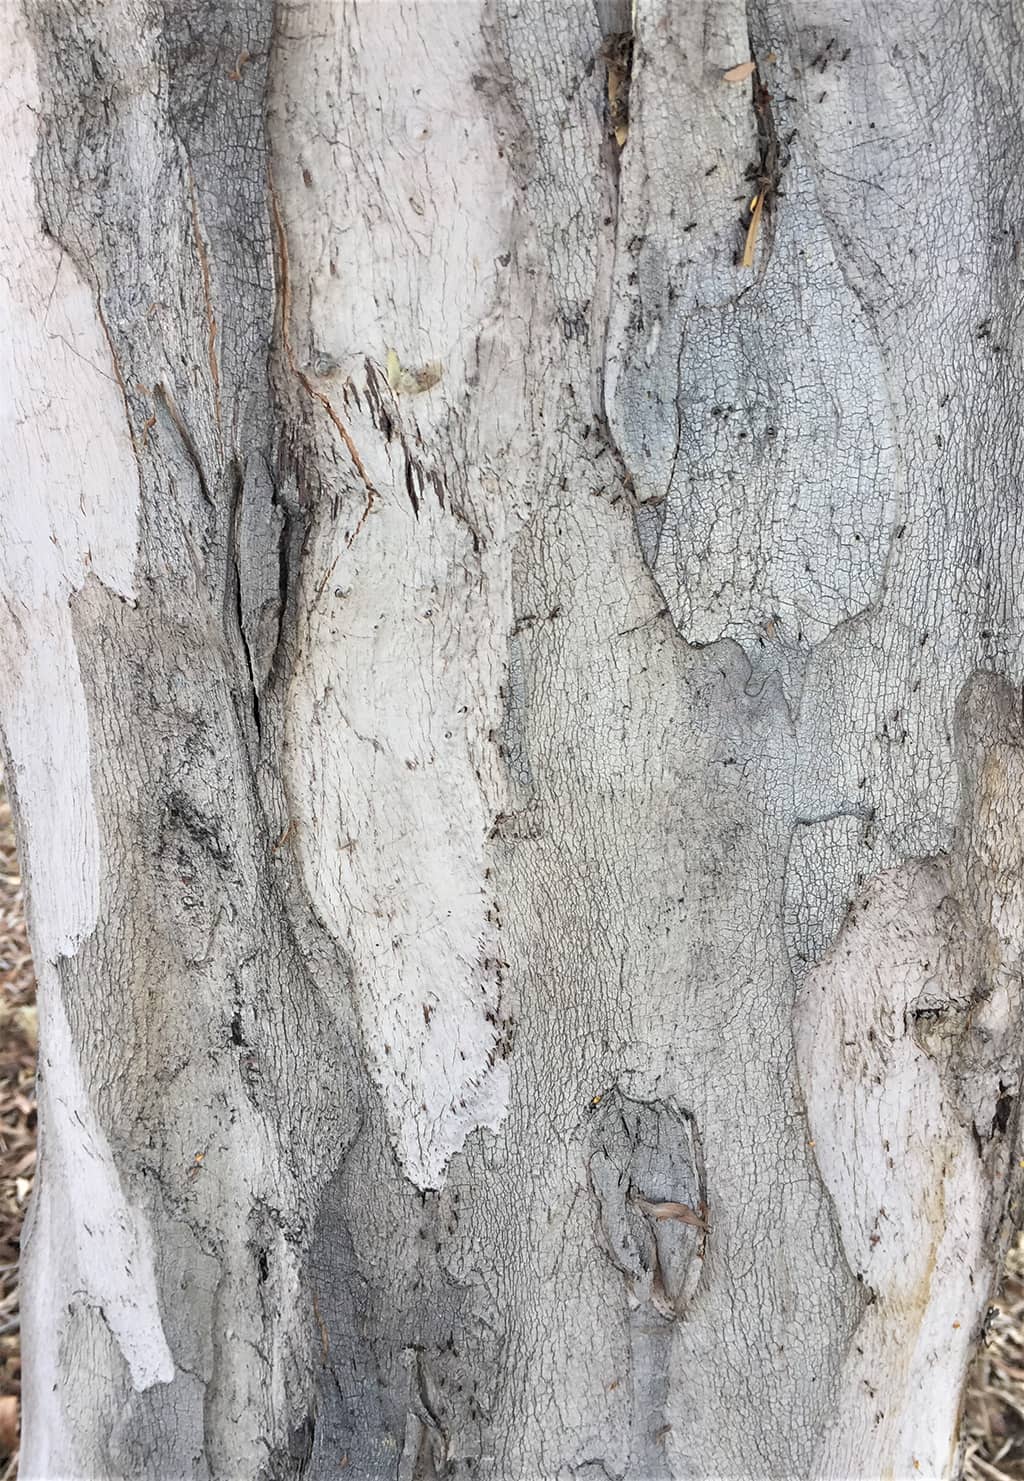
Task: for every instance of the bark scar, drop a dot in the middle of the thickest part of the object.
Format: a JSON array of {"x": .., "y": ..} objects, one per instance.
[
  {"x": 647, "y": 1172},
  {"x": 300, "y": 375}
]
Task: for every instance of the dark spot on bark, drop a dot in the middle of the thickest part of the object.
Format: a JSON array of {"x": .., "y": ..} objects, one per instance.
[
  {"x": 410, "y": 485},
  {"x": 300, "y": 1441},
  {"x": 1004, "y": 1108},
  {"x": 182, "y": 817}
]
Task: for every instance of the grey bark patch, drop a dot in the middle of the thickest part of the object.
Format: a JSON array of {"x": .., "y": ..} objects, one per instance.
[
  {"x": 155, "y": 1433},
  {"x": 224, "y": 1146},
  {"x": 259, "y": 529},
  {"x": 781, "y": 498},
  {"x": 650, "y": 521},
  {"x": 513, "y": 735},
  {"x": 780, "y": 516},
  {"x": 827, "y": 863},
  {"x": 405, "y": 1337}
]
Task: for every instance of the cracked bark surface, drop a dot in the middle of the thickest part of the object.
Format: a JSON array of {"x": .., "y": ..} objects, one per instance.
[{"x": 515, "y": 727}]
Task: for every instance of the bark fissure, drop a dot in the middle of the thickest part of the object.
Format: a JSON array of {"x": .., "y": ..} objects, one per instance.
[{"x": 767, "y": 170}]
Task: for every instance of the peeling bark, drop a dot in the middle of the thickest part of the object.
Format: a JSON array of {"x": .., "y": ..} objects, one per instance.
[{"x": 515, "y": 725}]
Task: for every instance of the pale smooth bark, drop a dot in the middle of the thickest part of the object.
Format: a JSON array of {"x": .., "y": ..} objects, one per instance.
[{"x": 515, "y": 726}]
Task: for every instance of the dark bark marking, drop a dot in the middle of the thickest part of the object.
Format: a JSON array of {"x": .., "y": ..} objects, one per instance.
[{"x": 165, "y": 402}]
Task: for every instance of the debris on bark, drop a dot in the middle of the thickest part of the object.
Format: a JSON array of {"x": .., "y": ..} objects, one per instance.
[
  {"x": 740, "y": 72},
  {"x": 617, "y": 55},
  {"x": 405, "y": 380}
]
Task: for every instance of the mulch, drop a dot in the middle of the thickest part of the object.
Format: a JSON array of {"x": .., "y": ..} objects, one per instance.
[
  {"x": 17, "y": 1125},
  {"x": 994, "y": 1408}
]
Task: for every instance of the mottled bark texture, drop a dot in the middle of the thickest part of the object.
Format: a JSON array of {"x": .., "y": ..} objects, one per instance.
[{"x": 516, "y": 728}]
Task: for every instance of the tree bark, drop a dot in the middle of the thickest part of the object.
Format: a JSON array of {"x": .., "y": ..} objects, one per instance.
[{"x": 515, "y": 724}]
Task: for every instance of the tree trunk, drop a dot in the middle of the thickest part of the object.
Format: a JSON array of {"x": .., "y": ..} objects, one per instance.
[{"x": 510, "y": 684}]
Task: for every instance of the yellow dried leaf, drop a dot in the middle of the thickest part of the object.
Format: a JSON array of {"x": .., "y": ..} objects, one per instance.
[
  {"x": 393, "y": 366},
  {"x": 740, "y": 72},
  {"x": 405, "y": 381},
  {"x": 752, "y": 231}
]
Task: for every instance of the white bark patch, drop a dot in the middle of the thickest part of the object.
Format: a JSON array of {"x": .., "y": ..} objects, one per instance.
[
  {"x": 391, "y": 714},
  {"x": 70, "y": 495},
  {"x": 89, "y": 1245},
  {"x": 396, "y": 704},
  {"x": 899, "y": 1159}
]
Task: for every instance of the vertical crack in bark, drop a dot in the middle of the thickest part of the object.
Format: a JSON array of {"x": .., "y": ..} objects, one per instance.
[
  {"x": 617, "y": 54},
  {"x": 765, "y": 173},
  {"x": 622, "y": 56},
  {"x": 211, "y": 317},
  {"x": 165, "y": 401},
  {"x": 234, "y": 593}
]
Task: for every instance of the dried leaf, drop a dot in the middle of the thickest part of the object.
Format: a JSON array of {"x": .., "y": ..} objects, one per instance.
[
  {"x": 667, "y": 1209},
  {"x": 752, "y": 231},
  {"x": 405, "y": 381},
  {"x": 8, "y": 1424},
  {"x": 740, "y": 72},
  {"x": 393, "y": 366},
  {"x": 236, "y": 75}
]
